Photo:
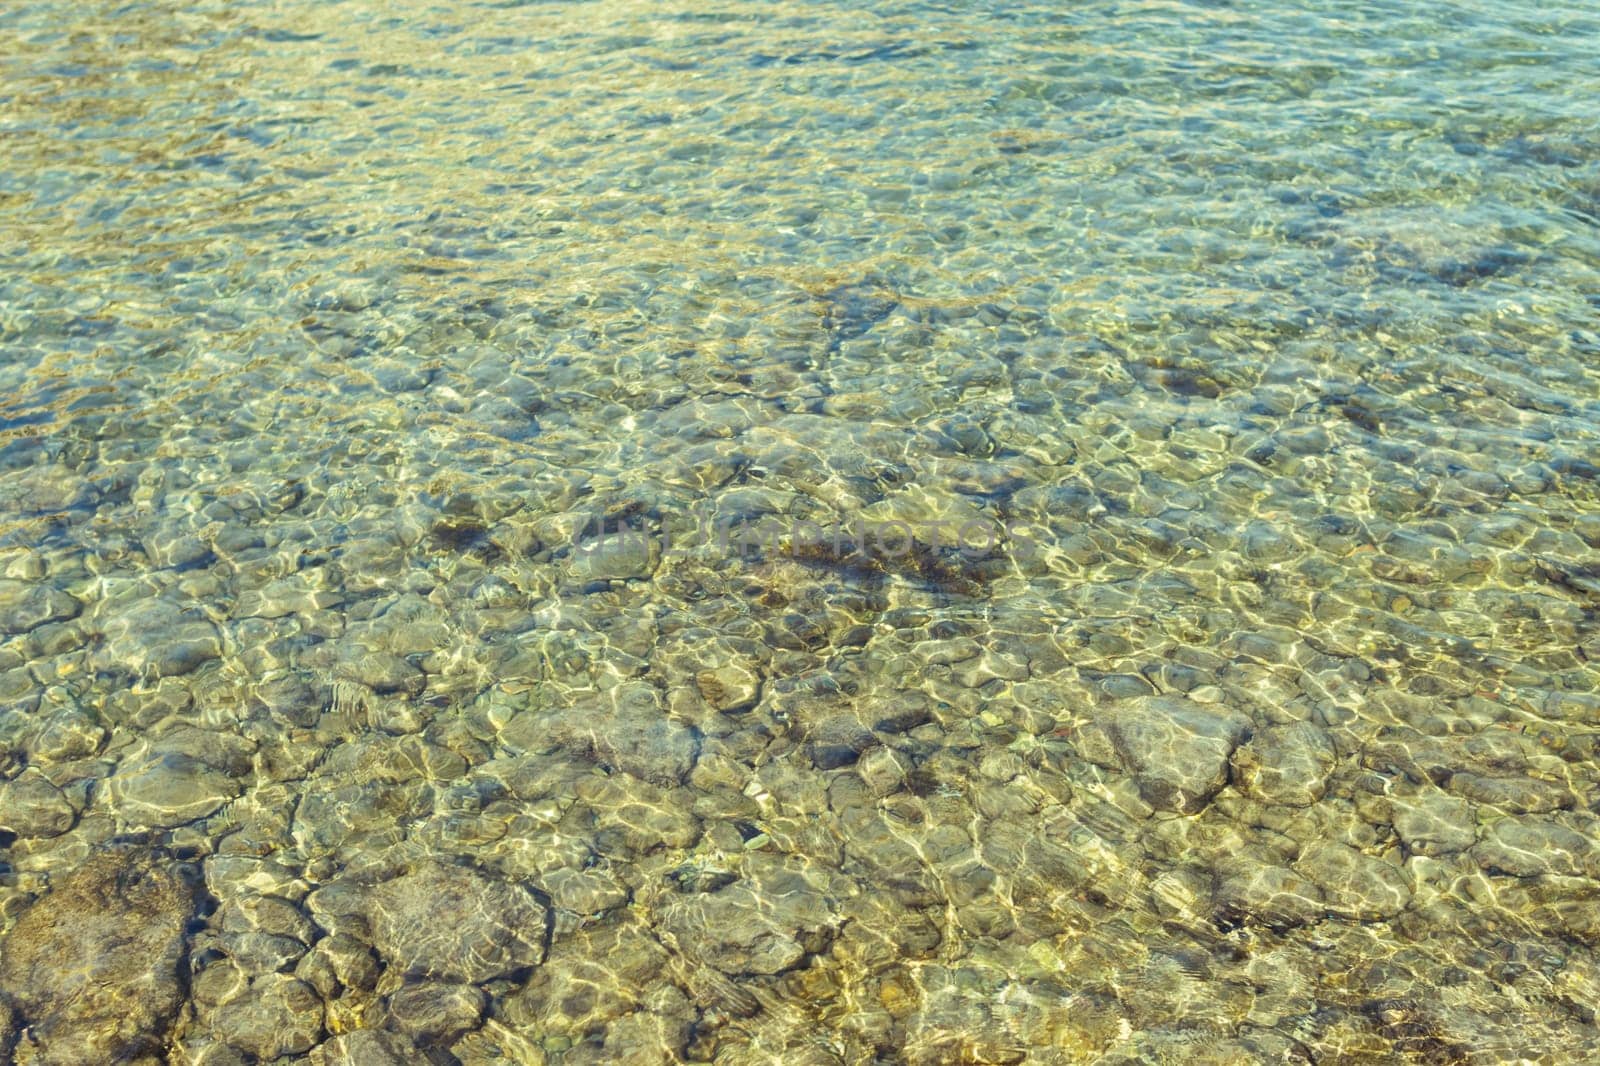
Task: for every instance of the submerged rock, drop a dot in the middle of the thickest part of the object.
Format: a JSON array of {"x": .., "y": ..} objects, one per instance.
[
  {"x": 155, "y": 638},
  {"x": 26, "y": 605},
  {"x": 263, "y": 933},
  {"x": 279, "y": 1015},
  {"x": 729, "y": 686},
  {"x": 1355, "y": 885},
  {"x": 30, "y": 806},
  {"x": 1286, "y": 764},
  {"x": 183, "y": 776},
  {"x": 455, "y": 923},
  {"x": 8, "y": 1029},
  {"x": 628, "y": 731},
  {"x": 1533, "y": 846},
  {"x": 381, "y": 671},
  {"x": 437, "y": 1011},
  {"x": 365, "y": 1047},
  {"x": 1434, "y": 824},
  {"x": 94, "y": 967},
  {"x": 753, "y": 927},
  {"x": 1250, "y": 891},
  {"x": 1177, "y": 749}
]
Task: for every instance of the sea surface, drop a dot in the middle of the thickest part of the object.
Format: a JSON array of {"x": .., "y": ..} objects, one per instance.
[{"x": 799, "y": 533}]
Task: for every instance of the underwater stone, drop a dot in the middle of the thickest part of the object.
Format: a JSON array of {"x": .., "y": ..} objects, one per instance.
[
  {"x": 585, "y": 892},
  {"x": 1275, "y": 896},
  {"x": 631, "y": 735},
  {"x": 279, "y": 1015},
  {"x": 27, "y": 605},
  {"x": 730, "y": 686},
  {"x": 339, "y": 961},
  {"x": 838, "y": 740},
  {"x": 334, "y": 812},
  {"x": 659, "y": 1031},
  {"x": 453, "y": 922},
  {"x": 93, "y": 967},
  {"x": 883, "y": 771},
  {"x": 732, "y": 935},
  {"x": 661, "y": 751},
  {"x": 365, "y": 1047},
  {"x": 155, "y": 638},
  {"x": 382, "y": 671},
  {"x": 30, "y": 806},
  {"x": 8, "y": 1028},
  {"x": 408, "y": 626},
  {"x": 1285, "y": 764},
  {"x": 1177, "y": 750},
  {"x": 639, "y": 815},
  {"x": 181, "y": 777},
  {"x": 1513, "y": 795},
  {"x": 262, "y": 953},
  {"x": 900, "y": 713},
  {"x": 1356, "y": 885},
  {"x": 617, "y": 557},
  {"x": 1531, "y": 846},
  {"x": 263, "y": 933},
  {"x": 68, "y": 734},
  {"x": 594, "y": 975},
  {"x": 765, "y": 924},
  {"x": 216, "y": 981},
  {"x": 437, "y": 1011},
  {"x": 1434, "y": 824}
]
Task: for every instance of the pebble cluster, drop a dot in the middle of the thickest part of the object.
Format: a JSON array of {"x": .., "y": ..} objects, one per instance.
[{"x": 1267, "y": 733}]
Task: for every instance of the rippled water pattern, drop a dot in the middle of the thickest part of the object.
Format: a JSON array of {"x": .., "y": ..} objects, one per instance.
[{"x": 333, "y": 336}]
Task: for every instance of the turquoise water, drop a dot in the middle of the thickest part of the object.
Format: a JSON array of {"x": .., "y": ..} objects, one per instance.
[{"x": 1162, "y": 445}]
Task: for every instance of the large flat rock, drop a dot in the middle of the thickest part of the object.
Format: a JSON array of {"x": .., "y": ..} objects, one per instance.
[{"x": 93, "y": 968}]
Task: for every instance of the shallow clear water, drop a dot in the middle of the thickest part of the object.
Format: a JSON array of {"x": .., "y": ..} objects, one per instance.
[{"x": 1253, "y": 717}]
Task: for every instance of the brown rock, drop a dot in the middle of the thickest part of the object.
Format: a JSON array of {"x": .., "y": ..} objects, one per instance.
[{"x": 93, "y": 967}]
